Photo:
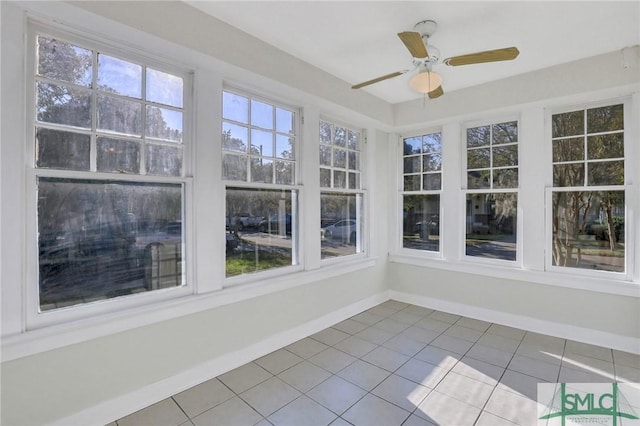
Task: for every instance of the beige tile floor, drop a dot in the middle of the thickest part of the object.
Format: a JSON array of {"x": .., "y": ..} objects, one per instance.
[{"x": 395, "y": 364}]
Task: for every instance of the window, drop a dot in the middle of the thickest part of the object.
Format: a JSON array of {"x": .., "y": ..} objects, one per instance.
[
  {"x": 588, "y": 196},
  {"x": 259, "y": 165},
  {"x": 492, "y": 191},
  {"x": 422, "y": 184},
  {"x": 100, "y": 123},
  {"x": 341, "y": 196}
]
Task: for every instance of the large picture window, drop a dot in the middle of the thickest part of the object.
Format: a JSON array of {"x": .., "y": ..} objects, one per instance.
[
  {"x": 492, "y": 191},
  {"x": 97, "y": 114},
  {"x": 341, "y": 196},
  {"x": 422, "y": 184},
  {"x": 259, "y": 165},
  {"x": 588, "y": 198}
]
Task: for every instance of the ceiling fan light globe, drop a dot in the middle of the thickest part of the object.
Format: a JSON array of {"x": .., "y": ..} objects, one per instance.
[{"x": 425, "y": 81}]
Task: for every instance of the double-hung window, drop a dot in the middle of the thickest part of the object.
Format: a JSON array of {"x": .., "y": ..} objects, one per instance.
[
  {"x": 422, "y": 186},
  {"x": 492, "y": 190},
  {"x": 341, "y": 194},
  {"x": 588, "y": 195},
  {"x": 108, "y": 165},
  {"x": 259, "y": 168}
]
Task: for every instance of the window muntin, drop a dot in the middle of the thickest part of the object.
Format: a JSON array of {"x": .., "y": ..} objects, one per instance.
[
  {"x": 422, "y": 184},
  {"x": 341, "y": 196},
  {"x": 259, "y": 151},
  {"x": 101, "y": 238},
  {"x": 491, "y": 198},
  {"x": 588, "y": 196},
  {"x": 258, "y": 141},
  {"x": 261, "y": 226},
  {"x": 84, "y": 97}
]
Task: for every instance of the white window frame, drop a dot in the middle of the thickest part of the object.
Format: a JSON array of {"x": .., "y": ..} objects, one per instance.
[
  {"x": 362, "y": 243},
  {"x": 399, "y": 240},
  {"x": 297, "y": 249},
  {"x": 630, "y": 263},
  {"x": 517, "y": 263},
  {"x": 34, "y": 317}
]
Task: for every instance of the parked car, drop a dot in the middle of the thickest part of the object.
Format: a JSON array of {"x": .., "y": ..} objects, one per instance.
[
  {"x": 244, "y": 220},
  {"x": 344, "y": 230},
  {"x": 273, "y": 224}
]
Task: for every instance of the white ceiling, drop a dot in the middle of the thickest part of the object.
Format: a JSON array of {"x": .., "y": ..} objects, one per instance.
[{"x": 357, "y": 41}]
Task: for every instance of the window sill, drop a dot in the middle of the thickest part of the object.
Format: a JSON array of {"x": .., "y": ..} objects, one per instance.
[
  {"x": 60, "y": 335},
  {"x": 580, "y": 282}
]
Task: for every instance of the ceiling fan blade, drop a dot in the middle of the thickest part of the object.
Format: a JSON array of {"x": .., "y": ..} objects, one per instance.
[
  {"x": 413, "y": 41},
  {"x": 376, "y": 80},
  {"x": 505, "y": 54},
  {"x": 436, "y": 93}
]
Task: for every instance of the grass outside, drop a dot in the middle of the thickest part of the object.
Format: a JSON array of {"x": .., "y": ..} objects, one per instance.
[{"x": 248, "y": 262}]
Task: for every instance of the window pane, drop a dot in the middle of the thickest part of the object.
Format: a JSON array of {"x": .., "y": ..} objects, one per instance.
[
  {"x": 104, "y": 239},
  {"x": 164, "y": 160},
  {"x": 339, "y": 179},
  {"x": 261, "y": 114},
  {"x": 478, "y": 158},
  {"x": 325, "y": 155},
  {"x": 340, "y": 224},
  {"x": 325, "y": 178},
  {"x": 234, "y": 167},
  {"x": 505, "y": 133},
  {"x": 412, "y": 164},
  {"x": 284, "y": 172},
  {"x": 340, "y": 137},
  {"x": 412, "y": 183},
  {"x": 284, "y": 147},
  {"x": 234, "y": 138},
  {"x": 432, "y": 181},
  {"x": 235, "y": 107},
  {"x": 491, "y": 226},
  {"x": 63, "y": 105},
  {"x": 606, "y": 173},
  {"x": 340, "y": 158},
  {"x": 504, "y": 156},
  {"x": 505, "y": 178},
  {"x": 62, "y": 150},
  {"x": 353, "y": 161},
  {"x": 115, "y": 155},
  {"x": 568, "y": 174},
  {"x": 478, "y": 179},
  {"x": 588, "y": 230},
  {"x": 571, "y": 149},
  {"x": 568, "y": 124},
  {"x": 164, "y": 123},
  {"x": 261, "y": 170},
  {"x": 478, "y": 136},
  {"x": 605, "y": 119},
  {"x": 605, "y": 146},
  {"x": 65, "y": 62},
  {"x": 432, "y": 143},
  {"x": 266, "y": 240},
  {"x": 261, "y": 143},
  {"x": 354, "y": 180},
  {"x": 119, "y": 115},
  {"x": 325, "y": 132},
  {"x": 284, "y": 120},
  {"x": 421, "y": 222},
  {"x": 354, "y": 140},
  {"x": 431, "y": 162},
  {"x": 118, "y": 76},
  {"x": 164, "y": 88},
  {"x": 412, "y": 145}
]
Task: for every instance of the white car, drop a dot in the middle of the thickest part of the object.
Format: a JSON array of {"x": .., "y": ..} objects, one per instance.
[{"x": 344, "y": 230}]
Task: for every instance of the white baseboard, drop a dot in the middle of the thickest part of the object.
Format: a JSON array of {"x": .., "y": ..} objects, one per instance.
[
  {"x": 123, "y": 405},
  {"x": 550, "y": 328}
]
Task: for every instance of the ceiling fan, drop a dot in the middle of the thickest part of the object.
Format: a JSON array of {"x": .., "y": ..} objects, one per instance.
[{"x": 425, "y": 56}]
